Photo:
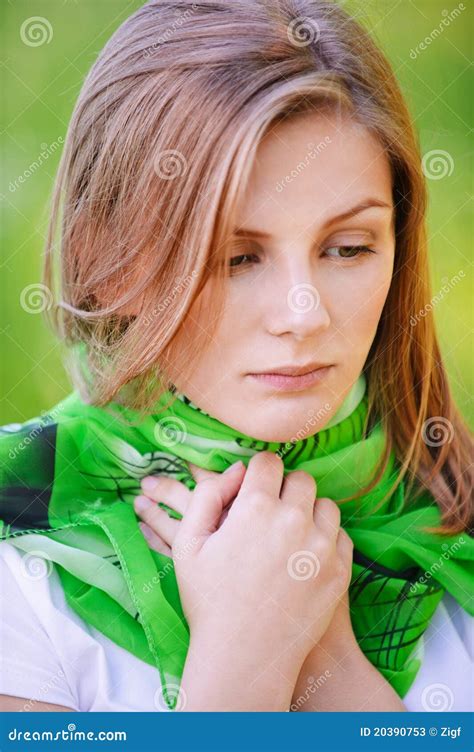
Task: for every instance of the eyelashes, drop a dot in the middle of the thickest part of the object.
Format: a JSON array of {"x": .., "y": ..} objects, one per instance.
[{"x": 351, "y": 251}]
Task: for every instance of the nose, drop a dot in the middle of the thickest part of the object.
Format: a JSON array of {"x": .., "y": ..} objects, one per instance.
[{"x": 296, "y": 302}]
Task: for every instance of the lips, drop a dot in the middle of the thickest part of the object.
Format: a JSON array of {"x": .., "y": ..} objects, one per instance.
[
  {"x": 291, "y": 370},
  {"x": 290, "y": 383}
]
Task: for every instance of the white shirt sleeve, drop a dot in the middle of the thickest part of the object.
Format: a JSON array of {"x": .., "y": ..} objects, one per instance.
[
  {"x": 29, "y": 664},
  {"x": 49, "y": 654},
  {"x": 445, "y": 679}
]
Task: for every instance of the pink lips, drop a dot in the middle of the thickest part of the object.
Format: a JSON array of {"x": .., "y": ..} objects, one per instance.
[{"x": 292, "y": 383}]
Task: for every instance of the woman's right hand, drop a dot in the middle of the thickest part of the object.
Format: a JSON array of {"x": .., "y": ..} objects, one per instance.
[{"x": 269, "y": 578}]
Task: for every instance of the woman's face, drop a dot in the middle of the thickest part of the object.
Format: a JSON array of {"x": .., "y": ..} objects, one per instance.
[{"x": 302, "y": 288}]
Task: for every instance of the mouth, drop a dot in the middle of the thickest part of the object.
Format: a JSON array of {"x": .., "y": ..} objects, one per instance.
[{"x": 292, "y": 382}]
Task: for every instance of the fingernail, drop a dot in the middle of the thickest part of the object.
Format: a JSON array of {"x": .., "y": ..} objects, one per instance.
[
  {"x": 233, "y": 467},
  {"x": 142, "y": 503},
  {"x": 149, "y": 483}
]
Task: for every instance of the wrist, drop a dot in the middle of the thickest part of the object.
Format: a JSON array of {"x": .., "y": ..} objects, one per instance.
[{"x": 234, "y": 673}]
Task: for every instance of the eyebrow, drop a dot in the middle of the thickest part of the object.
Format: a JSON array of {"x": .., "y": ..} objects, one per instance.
[{"x": 369, "y": 203}]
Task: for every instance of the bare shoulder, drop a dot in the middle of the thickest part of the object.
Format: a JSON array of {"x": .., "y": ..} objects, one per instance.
[{"x": 13, "y": 704}]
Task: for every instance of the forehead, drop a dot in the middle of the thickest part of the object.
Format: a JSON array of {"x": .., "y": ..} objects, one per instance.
[{"x": 314, "y": 166}]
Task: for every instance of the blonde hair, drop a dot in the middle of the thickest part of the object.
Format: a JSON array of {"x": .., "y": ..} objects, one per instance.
[{"x": 157, "y": 158}]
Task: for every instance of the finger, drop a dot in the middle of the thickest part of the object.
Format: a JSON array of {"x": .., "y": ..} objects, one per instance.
[
  {"x": 327, "y": 517},
  {"x": 154, "y": 540},
  {"x": 299, "y": 489},
  {"x": 199, "y": 473},
  {"x": 208, "y": 501},
  {"x": 345, "y": 547},
  {"x": 159, "y": 520},
  {"x": 171, "y": 492},
  {"x": 264, "y": 473}
]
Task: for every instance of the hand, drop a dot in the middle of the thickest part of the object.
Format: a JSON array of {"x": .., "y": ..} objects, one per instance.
[
  {"x": 255, "y": 546},
  {"x": 157, "y": 526}
]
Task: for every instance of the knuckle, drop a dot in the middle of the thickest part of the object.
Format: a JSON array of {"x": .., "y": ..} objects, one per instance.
[
  {"x": 270, "y": 458},
  {"x": 304, "y": 481},
  {"x": 259, "y": 498},
  {"x": 331, "y": 510},
  {"x": 296, "y": 516},
  {"x": 324, "y": 546}
]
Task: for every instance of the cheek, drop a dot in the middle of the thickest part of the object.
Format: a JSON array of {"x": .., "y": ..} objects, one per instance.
[{"x": 359, "y": 300}]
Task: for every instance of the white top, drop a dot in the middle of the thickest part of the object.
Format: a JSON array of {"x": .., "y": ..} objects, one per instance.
[{"x": 48, "y": 653}]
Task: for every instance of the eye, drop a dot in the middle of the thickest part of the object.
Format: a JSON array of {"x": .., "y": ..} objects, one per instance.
[
  {"x": 237, "y": 261},
  {"x": 349, "y": 251}
]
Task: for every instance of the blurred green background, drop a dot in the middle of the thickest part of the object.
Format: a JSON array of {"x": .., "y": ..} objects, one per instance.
[{"x": 41, "y": 84}]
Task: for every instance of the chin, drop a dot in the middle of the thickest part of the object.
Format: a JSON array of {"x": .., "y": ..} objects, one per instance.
[{"x": 311, "y": 421}]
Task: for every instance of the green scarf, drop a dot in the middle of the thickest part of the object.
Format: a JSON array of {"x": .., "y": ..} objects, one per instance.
[{"x": 66, "y": 495}]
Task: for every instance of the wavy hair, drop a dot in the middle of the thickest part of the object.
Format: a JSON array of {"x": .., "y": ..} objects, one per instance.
[{"x": 157, "y": 157}]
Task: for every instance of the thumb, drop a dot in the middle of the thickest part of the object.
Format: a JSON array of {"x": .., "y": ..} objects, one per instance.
[{"x": 208, "y": 500}]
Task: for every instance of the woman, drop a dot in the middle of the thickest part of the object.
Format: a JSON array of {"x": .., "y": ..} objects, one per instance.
[{"x": 242, "y": 252}]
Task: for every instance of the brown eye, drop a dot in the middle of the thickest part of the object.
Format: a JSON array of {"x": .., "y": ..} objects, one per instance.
[
  {"x": 348, "y": 251},
  {"x": 237, "y": 261}
]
